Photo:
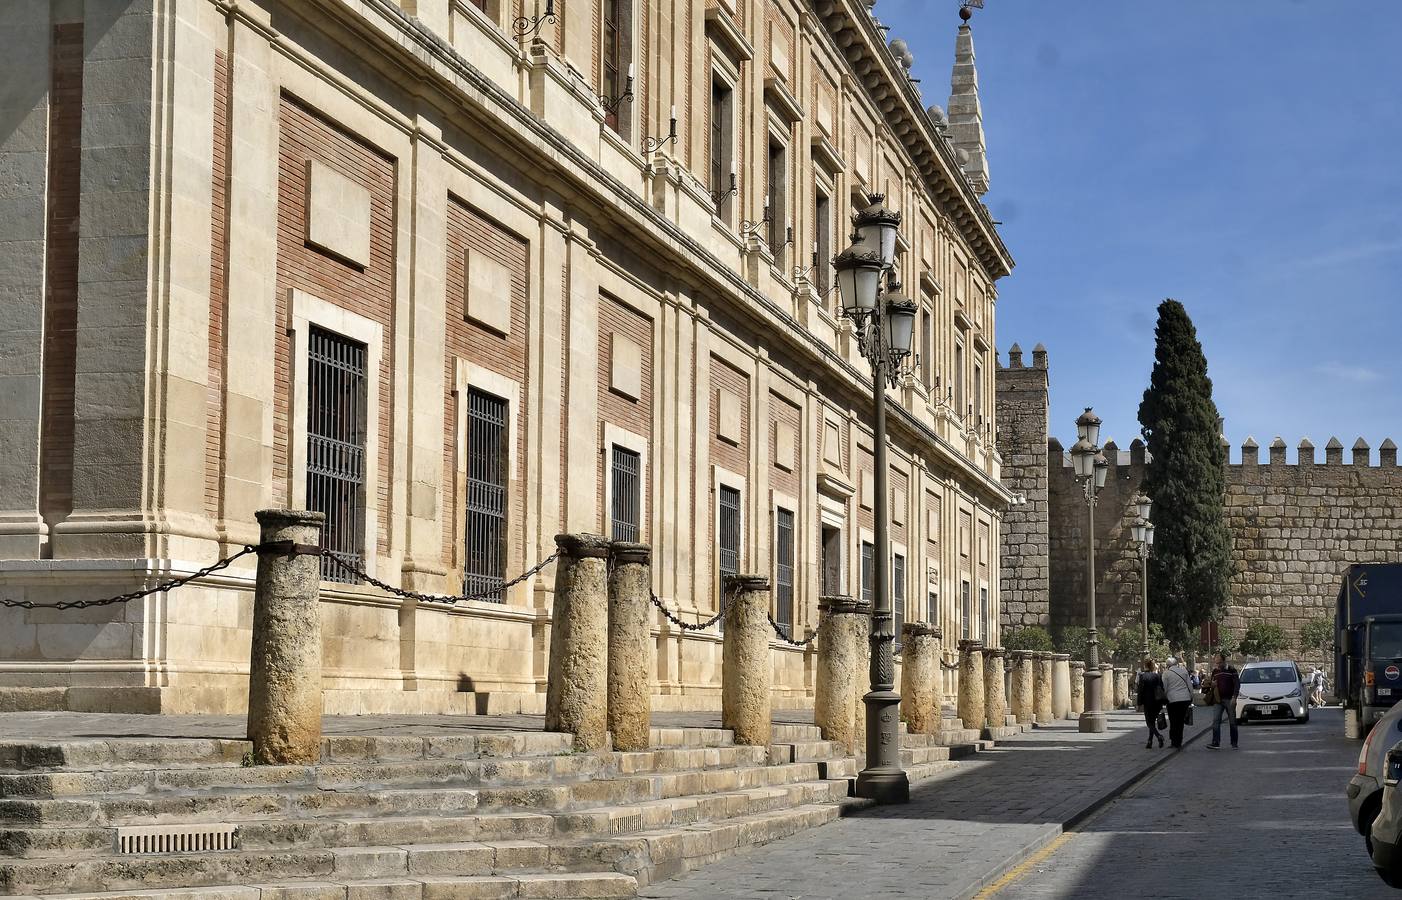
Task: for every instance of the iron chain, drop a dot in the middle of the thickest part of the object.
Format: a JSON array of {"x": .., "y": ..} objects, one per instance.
[
  {"x": 492, "y": 594},
  {"x": 948, "y": 667},
  {"x": 688, "y": 626},
  {"x": 162, "y": 588},
  {"x": 783, "y": 636}
]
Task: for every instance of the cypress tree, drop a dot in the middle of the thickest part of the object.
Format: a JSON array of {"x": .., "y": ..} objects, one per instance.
[{"x": 1191, "y": 563}]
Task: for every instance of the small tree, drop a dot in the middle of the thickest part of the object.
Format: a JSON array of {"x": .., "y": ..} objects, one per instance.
[
  {"x": 1227, "y": 642},
  {"x": 1129, "y": 642},
  {"x": 1263, "y": 639},
  {"x": 1317, "y": 636},
  {"x": 1075, "y": 639},
  {"x": 1032, "y": 637}
]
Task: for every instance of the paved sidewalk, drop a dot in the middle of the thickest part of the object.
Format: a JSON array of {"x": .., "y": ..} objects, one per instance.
[{"x": 961, "y": 830}]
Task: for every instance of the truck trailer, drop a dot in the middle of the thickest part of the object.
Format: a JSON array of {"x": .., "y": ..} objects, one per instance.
[{"x": 1368, "y": 644}]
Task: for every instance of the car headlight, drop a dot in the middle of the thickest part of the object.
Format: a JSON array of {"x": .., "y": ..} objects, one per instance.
[{"x": 1294, "y": 693}]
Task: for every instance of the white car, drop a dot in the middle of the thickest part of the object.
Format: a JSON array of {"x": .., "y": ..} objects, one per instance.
[{"x": 1271, "y": 690}]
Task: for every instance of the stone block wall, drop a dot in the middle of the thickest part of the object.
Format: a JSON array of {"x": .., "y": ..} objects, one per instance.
[{"x": 1022, "y": 435}]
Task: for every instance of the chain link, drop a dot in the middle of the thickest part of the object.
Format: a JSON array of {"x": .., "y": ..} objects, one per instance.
[
  {"x": 688, "y": 626},
  {"x": 784, "y": 636},
  {"x": 162, "y": 588},
  {"x": 949, "y": 667},
  {"x": 493, "y": 594}
]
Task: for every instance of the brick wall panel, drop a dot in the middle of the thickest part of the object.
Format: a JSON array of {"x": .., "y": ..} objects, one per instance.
[
  {"x": 614, "y": 408},
  {"x": 218, "y": 292}
]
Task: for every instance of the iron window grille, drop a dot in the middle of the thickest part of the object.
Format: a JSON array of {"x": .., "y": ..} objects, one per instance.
[
  {"x": 897, "y": 596},
  {"x": 966, "y": 611},
  {"x": 484, "y": 556},
  {"x": 627, "y": 494},
  {"x": 728, "y": 513},
  {"x": 983, "y": 612},
  {"x": 932, "y": 611},
  {"x": 336, "y": 429},
  {"x": 783, "y": 567},
  {"x": 868, "y": 576}
]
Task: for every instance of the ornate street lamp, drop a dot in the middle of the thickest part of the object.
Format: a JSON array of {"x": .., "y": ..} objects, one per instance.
[
  {"x": 1143, "y": 531},
  {"x": 884, "y": 326},
  {"x": 1092, "y": 468}
]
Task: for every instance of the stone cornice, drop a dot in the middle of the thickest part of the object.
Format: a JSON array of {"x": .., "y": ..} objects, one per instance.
[
  {"x": 856, "y": 35},
  {"x": 416, "y": 48}
]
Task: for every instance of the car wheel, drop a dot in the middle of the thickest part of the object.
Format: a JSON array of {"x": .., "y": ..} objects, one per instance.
[
  {"x": 1392, "y": 877},
  {"x": 1366, "y": 815},
  {"x": 1302, "y": 720}
]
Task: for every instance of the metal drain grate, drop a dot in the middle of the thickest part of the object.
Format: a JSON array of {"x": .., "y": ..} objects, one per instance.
[{"x": 176, "y": 838}]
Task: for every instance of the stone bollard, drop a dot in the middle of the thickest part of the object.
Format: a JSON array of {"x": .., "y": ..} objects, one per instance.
[
  {"x": 920, "y": 677},
  {"x": 1078, "y": 687},
  {"x": 746, "y": 670},
  {"x": 840, "y": 675},
  {"x": 284, "y": 671},
  {"x": 995, "y": 702},
  {"x": 1042, "y": 688},
  {"x": 576, "y": 695},
  {"x": 971, "y": 705},
  {"x": 1121, "y": 694},
  {"x": 1023, "y": 690},
  {"x": 1061, "y": 685},
  {"x": 630, "y": 646},
  {"x": 1107, "y": 687}
]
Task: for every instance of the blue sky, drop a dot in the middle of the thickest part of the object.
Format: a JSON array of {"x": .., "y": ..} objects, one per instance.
[{"x": 1242, "y": 156}]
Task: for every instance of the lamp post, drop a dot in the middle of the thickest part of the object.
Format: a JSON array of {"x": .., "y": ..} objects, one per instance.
[
  {"x": 884, "y": 324},
  {"x": 1144, "y": 534},
  {"x": 1092, "y": 467}
]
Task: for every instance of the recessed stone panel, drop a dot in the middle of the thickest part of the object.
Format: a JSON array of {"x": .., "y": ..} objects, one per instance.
[
  {"x": 625, "y": 366},
  {"x": 729, "y": 423},
  {"x": 832, "y": 442},
  {"x": 898, "y": 506},
  {"x": 488, "y": 290},
  {"x": 338, "y": 214},
  {"x": 868, "y": 491},
  {"x": 785, "y": 441}
]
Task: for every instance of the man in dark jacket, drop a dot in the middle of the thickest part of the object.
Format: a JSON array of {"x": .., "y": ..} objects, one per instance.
[{"x": 1221, "y": 690}]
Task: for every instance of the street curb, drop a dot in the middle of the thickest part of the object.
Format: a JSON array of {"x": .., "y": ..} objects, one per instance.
[{"x": 1052, "y": 832}]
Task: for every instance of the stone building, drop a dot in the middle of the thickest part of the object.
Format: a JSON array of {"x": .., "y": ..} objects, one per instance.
[
  {"x": 1295, "y": 527},
  {"x": 464, "y": 274}
]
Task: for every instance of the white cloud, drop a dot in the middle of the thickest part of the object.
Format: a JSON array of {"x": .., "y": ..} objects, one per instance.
[{"x": 1346, "y": 372}]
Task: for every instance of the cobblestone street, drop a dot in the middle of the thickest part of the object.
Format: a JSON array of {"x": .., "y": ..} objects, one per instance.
[
  {"x": 961, "y": 830},
  {"x": 1269, "y": 820}
]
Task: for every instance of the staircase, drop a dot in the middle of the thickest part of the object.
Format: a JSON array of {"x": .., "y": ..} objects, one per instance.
[{"x": 510, "y": 814}]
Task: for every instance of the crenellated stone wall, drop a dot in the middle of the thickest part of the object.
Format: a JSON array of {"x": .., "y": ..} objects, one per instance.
[{"x": 1295, "y": 526}]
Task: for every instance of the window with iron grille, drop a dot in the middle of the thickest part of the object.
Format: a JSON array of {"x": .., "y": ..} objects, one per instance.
[
  {"x": 484, "y": 556},
  {"x": 897, "y": 596},
  {"x": 932, "y": 607},
  {"x": 832, "y": 562},
  {"x": 617, "y": 48},
  {"x": 983, "y": 612},
  {"x": 336, "y": 427},
  {"x": 868, "y": 576},
  {"x": 627, "y": 494},
  {"x": 822, "y": 244},
  {"x": 783, "y": 567},
  {"x": 966, "y": 611},
  {"x": 728, "y": 514}
]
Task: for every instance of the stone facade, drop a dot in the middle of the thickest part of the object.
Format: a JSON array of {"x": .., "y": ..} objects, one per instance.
[
  {"x": 459, "y": 210},
  {"x": 1295, "y": 527},
  {"x": 1022, "y": 433}
]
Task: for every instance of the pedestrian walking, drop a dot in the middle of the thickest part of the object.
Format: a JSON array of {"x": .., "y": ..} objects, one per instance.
[
  {"x": 1221, "y": 692},
  {"x": 1317, "y": 687},
  {"x": 1178, "y": 687},
  {"x": 1150, "y": 695}
]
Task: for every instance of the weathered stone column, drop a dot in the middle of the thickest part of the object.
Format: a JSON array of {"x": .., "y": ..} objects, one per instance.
[
  {"x": 971, "y": 703},
  {"x": 1121, "y": 688},
  {"x": 1042, "y": 688},
  {"x": 1107, "y": 685},
  {"x": 863, "y": 682},
  {"x": 1078, "y": 688},
  {"x": 284, "y": 671},
  {"x": 995, "y": 701},
  {"x": 1022, "y": 700},
  {"x": 746, "y": 671},
  {"x": 1061, "y": 685},
  {"x": 576, "y": 695},
  {"x": 920, "y": 677},
  {"x": 630, "y": 646},
  {"x": 839, "y": 675}
]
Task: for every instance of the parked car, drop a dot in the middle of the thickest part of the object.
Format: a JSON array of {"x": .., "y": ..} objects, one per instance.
[
  {"x": 1365, "y": 788},
  {"x": 1386, "y": 844},
  {"x": 1272, "y": 690}
]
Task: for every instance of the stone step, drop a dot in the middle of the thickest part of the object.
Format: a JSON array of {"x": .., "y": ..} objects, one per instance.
[
  {"x": 276, "y": 833},
  {"x": 803, "y": 751},
  {"x": 838, "y": 767},
  {"x": 691, "y": 737},
  {"x": 789, "y": 733},
  {"x": 911, "y": 756}
]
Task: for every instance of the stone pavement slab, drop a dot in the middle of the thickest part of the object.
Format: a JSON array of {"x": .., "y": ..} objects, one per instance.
[
  {"x": 1268, "y": 820},
  {"x": 962, "y": 829}
]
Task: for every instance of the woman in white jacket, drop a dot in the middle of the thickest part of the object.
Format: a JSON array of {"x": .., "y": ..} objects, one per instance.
[{"x": 1178, "y": 685}]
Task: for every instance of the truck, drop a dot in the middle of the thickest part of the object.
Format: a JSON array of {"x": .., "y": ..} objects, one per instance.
[{"x": 1368, "y": 644}]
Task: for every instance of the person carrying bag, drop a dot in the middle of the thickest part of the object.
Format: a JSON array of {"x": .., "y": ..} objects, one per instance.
[
  {"x": 1151, "y": 697},
  {"x": 1178, "y": 688}
]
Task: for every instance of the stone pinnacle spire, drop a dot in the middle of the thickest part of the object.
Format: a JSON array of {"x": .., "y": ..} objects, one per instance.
[{"x": 965, "y": 113}]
